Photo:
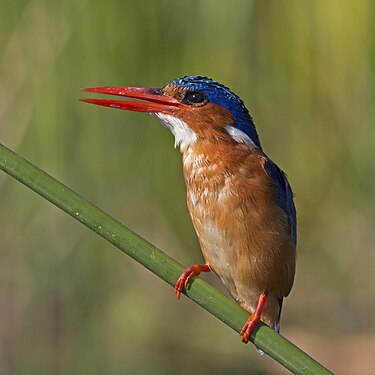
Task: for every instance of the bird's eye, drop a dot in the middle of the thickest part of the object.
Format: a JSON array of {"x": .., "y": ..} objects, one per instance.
[{"x": 194, "y": 97}]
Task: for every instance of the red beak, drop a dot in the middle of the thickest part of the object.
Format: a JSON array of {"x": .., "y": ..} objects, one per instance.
[{"x": 154, "y": 101}]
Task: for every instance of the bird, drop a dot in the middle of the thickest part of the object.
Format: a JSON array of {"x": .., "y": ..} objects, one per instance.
[{"x": 240, "y": 202}]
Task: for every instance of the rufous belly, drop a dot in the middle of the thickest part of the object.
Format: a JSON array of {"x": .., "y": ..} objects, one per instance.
[{"x": 244, "y": 236}]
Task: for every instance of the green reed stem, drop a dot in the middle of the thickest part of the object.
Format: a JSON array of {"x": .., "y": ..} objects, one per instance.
[{"x": 156, "y": 261}]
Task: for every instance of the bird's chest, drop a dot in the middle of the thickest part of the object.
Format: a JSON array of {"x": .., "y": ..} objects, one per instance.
[
  {"x": 211, "y": 214},
  {"x": 219, "y": 211},
  {"x": 241, "y": 229}
]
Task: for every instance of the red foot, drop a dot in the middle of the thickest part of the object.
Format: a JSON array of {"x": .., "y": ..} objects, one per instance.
[
  {"x": 187, "y": 275},
  {"x": 253, "y": 320}
]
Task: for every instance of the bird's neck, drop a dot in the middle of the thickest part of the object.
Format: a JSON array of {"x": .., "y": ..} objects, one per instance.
[{"x": 206, "y": 161}]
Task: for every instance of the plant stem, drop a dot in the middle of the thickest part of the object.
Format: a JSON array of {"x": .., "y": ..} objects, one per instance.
[{"x": 156, "y": 261}]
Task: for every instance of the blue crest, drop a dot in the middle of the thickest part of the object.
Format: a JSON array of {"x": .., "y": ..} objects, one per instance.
[{"x": 219, "y": 94}]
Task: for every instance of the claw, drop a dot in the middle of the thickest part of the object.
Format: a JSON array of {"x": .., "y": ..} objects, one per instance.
[
  {"x": 248, "y": 328},
  {"x": 253, "y": 320},
  {"x": 187, "y": 275}
]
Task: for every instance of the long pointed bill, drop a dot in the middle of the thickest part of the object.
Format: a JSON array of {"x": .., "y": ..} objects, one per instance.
[{"x": 153, "y": 100}]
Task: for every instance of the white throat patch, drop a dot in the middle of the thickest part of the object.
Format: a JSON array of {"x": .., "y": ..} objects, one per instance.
[
  {"x": 183, "y": 135},
  {"x": 239, "y": 136}
]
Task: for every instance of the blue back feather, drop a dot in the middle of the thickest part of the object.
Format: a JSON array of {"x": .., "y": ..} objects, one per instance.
[{"x": 285, "y": 196}]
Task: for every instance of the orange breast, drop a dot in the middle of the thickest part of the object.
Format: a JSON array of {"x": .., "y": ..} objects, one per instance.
[{"x": 243, "y": 233}]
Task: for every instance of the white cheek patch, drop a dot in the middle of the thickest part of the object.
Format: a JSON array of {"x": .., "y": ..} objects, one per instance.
[
  {"x": 183, "y": 135},
  {"x": 239, "y": 136}
]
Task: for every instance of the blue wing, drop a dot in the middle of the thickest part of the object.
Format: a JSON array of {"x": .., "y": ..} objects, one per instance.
[{"x": 285, "y": 195}]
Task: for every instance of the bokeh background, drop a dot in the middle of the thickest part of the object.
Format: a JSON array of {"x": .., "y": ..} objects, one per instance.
[{"x": 70, "y": 303}]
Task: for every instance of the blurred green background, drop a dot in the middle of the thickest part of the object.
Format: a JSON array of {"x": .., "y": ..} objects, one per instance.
[{"x": 72, "y": 304}]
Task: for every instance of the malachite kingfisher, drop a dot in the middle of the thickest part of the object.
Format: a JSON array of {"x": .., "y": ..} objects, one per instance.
[{"x": 240, "y": 201}]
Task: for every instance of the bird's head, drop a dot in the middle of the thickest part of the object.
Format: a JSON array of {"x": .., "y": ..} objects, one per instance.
[{"x": 194, "y": 108}]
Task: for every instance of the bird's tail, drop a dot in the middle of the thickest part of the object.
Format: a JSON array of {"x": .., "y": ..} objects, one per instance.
[{"x": 276, "y": 325}]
